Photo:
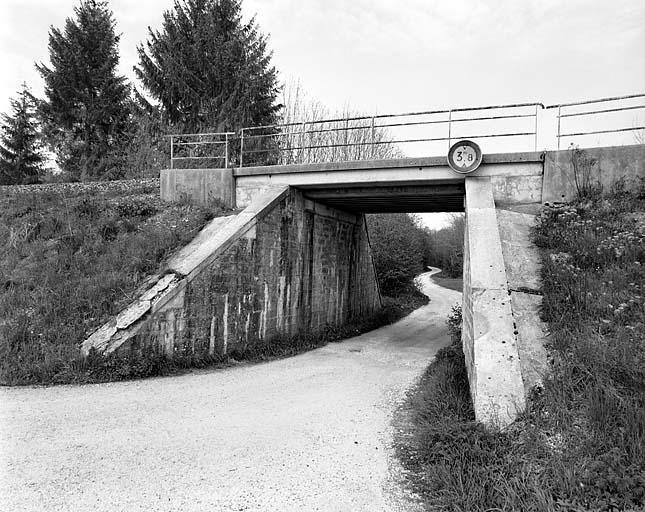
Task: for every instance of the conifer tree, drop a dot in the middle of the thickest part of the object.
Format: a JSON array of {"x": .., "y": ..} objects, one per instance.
[
  {"x": 21, "y": 159},
  {"x": 208, "y": 70},
  {"x": 86, "y": 114}
]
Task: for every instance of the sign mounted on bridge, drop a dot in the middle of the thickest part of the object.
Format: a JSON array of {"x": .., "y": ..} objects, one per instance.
[{"x": 464, "y": 156}]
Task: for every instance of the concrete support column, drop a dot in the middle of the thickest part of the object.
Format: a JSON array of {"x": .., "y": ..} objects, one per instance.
[{"x": 489, "y": 335}]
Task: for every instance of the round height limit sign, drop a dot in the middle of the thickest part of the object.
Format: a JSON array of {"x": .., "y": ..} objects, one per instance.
[{"x": 464, "y": 156}]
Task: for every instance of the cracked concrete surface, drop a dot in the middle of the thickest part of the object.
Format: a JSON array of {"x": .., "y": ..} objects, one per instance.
[
  {"x": 522, "y": 263},
  {"x": 311, "y": 432}
]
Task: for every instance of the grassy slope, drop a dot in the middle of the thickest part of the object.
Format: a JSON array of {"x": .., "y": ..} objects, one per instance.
[
  {"x": 452, "y": 283},
  {"x": 71, "y": 255},
  {"x": 581, "y": 444}
]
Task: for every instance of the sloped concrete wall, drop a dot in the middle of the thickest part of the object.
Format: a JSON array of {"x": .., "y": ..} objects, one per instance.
[
  {"x": 285, "y": 265},
  {"x": 522, "y": 263}
]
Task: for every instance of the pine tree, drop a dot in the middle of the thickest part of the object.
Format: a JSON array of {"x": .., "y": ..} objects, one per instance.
[
  {"x": 21, "y": 159},
  {"x": 86, "y": 113},
  {"x": 208, "y": 70}
]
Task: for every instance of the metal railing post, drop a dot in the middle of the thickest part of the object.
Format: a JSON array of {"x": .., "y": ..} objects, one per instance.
[
  {"x": 536, "y": 127},
  {"x": 449, "y": 127},
  {"x": 226, "y": 151},
  {"x": 241, "y": 147},
  {"x": 345, "y": 149},
  {"x": 172, "y": 152},
  {"x": 373, "y": 137},
  {"x": 302, "y": 142},
  {"x": 559, "y": 111}
]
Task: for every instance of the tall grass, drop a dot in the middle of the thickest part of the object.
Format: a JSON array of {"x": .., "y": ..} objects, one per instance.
[
  {"x": 69, "y": 259},
  {"x": 581, "y": 443}
]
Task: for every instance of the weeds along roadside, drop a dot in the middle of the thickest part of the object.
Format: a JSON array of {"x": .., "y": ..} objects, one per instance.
[{"x": 581, "y": 443}]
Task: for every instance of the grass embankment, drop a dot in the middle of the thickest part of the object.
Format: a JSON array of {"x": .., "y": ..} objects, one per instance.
[
  {"x": 452, "y": 283},
  {"x": 72, "y": 255},
  {"x": 581, "y": 443}
]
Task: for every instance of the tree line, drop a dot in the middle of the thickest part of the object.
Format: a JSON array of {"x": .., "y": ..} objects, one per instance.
[
  {"x": 402, "y": 248},
  {"x": 205, "y": 68}
]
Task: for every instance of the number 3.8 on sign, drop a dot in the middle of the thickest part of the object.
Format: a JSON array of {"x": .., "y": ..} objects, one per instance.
[{"x": 464, "y": 156}]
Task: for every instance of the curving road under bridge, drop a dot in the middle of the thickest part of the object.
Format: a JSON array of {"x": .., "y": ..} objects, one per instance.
[{"x": 311, "y": 432}]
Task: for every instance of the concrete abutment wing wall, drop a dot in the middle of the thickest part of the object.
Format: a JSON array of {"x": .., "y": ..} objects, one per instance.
[{"x": 285, "y": 265}]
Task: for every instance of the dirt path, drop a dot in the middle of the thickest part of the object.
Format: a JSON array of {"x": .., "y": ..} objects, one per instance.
[{"x": 306, "y": 433}]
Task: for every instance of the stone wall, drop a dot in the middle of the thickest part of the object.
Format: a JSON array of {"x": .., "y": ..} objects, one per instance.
[{"x": 289, "y": 266}]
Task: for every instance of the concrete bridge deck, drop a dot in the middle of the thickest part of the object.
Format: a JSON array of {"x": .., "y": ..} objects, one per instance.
[{"x": 399, "y": 185}]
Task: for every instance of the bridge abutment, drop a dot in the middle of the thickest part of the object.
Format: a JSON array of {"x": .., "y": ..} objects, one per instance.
[
  {"x": 284, "y": 266},
  {"x": 290, "y": 264}
]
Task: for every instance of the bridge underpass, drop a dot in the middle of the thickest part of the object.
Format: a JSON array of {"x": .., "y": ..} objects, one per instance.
[
  {"x": 297, "y": 258},
  {"x": 390, "y": 199}
]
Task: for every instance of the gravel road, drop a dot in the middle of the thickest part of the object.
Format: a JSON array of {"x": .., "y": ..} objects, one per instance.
[{"x": 307, "y": 433}]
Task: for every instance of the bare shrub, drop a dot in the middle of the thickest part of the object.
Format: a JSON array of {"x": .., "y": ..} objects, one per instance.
[
  {"x": 310, "y": 133},
  {"x": 583, "y": 164}
]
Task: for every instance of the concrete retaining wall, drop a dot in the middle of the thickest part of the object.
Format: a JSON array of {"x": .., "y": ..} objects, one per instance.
[
  {"x": 611, "y": 164},
  {"x": 285, "y": 265},
  {"x": 198, "y": 186}
]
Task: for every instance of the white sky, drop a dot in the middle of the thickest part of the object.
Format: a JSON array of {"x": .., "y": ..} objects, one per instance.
[{"x": 387, "y": 57}]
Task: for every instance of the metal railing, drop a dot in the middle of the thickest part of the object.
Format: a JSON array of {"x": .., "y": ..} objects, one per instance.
[
  {"x": 361, "y": 136},
  {"x": 381, "y": 136},
  {"x": 194, "y": 147},
  {"x": 567, "y": 110}
]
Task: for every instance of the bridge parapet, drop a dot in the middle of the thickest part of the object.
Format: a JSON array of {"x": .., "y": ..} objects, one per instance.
[{"x": 529, "y": 177}]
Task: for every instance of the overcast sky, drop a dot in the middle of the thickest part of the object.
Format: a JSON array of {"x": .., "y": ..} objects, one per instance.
[{"x": 384, "y": 56}]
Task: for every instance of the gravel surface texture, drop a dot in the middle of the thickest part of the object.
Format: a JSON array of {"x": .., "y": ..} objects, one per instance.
[
  {"x": 308, "y": 433},
  {"x": 79, "y": 188}
]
